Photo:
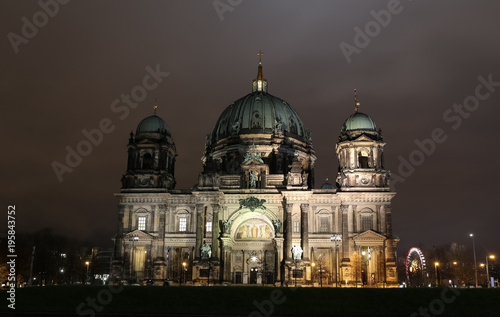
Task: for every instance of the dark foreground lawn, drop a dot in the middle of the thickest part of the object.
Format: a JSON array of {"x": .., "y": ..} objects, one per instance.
[{"x": 252, "y": 301}]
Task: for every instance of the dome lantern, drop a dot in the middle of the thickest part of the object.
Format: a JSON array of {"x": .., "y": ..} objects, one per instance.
[{"x": 259, "y": 83}]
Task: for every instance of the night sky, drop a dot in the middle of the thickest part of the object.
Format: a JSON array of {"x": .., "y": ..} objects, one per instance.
[{"x": 409, "y": 74}]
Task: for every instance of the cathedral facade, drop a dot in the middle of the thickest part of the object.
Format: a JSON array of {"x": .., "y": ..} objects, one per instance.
[{"x": 254, "y": 217}]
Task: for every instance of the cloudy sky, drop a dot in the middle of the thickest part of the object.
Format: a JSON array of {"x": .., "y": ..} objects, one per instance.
[{"x": 414, "y": 64}]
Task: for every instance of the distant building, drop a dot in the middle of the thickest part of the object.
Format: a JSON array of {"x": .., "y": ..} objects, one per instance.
[
  {"x": 254, "y": 217},
  {"x": 101, "y": 265}
]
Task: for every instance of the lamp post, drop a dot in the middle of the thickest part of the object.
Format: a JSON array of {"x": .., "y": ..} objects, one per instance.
[
  {"x": 87, "y": 263},
  {"x": 184, "y": 271},
  {"x": 436, "y": 264},
  {"x": 336, "y": 237},
  {"x": 313, "y": 265},
  {"x": 474, "y": 249},
  {"x": 133, "y": 238},
  {"x": 487, "y": 270},
  {"x": 369, "y": 271},
  {"x": 295, "y": 272},
  {"x": 320, "y": 275}
]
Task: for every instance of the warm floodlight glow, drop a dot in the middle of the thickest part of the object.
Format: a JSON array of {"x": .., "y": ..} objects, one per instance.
[
  {"x": 492, "y": 257},
  {"x": 436, "y": 263},
  {"x": 313, "y": 264}
]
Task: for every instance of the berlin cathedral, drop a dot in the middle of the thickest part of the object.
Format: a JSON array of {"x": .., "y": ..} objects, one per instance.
[{"x": 254, "y": 217}]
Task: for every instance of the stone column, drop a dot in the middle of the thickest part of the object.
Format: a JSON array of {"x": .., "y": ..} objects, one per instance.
[
  {"x": 345, "y": 233},
  {"x": 289, "y": 229},
  {"x": 304, "y": 208},
  {"x": 383, "y": 227},
  {"x": 162, "y": 210},
  {"x": 215, "y": 233},
  {"x": 388, "y": 219},
  {"x": 119, "y": 236},
  {"x": 199, "y": 230}
]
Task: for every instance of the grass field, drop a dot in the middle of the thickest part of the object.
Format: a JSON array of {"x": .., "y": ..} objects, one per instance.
[{"x": 255, "y": 301}]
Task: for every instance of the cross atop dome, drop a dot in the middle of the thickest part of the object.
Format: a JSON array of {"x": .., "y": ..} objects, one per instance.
[
  {"x": 259, "y": 83},
  {"x": 356, "y": 102},
  {"x": 155, "y": 106}
]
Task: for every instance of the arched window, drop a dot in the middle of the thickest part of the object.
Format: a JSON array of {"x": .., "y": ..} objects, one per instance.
[
  {"x": 366, "y": 222},
  {"x": 324, "y": 224},
  {"x": 141, "y": 223},
  {"x": 147, "y": 161},
  {"x": 363, "y": 160}
]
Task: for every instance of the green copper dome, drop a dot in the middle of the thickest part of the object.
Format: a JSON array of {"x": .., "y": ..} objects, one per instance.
[
  {"x": 359, "y": 121},
  {"x": 327, "y": 185},
  {"x": 153, "y": 124},
  {"x": 258, "y": 112}
]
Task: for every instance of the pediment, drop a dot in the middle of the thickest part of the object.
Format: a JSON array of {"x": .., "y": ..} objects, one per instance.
[
  {"x": 143, "y": 141},
  {"x": 363, "y": 137},
  {"x": 252, "y": 162},
  {"x": 140, "y": 234},
  {"x": 369, "y": 236}
]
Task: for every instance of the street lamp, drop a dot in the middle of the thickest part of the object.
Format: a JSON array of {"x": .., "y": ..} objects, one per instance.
[
  {"x": 369, "y": 270},
  {"x": 313, "y": 265},
  {"x": 492, "y": 257},
  {"x": 87, "y": 263},
  {"x": 474, "y": 249},
  {"x": 436, "y": 264},
  {"x": 336, "y": 237},
  {"x": 133, "y": 238},
  {"x": 184, "y": 271}
]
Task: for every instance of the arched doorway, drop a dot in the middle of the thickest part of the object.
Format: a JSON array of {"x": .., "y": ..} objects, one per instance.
[{"x": 253, "y": 275}]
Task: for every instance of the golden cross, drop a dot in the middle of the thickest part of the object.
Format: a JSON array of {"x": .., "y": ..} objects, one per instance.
[{"x": 260, "y": 53}]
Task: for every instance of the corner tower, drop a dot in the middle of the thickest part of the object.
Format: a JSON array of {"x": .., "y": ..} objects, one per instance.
[
  {"x": 151, "y": 157},
  {"x": 360, "y": 154}
]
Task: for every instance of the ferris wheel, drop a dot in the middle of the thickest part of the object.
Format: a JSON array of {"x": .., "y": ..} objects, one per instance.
[{"x": 415, "y": 267}]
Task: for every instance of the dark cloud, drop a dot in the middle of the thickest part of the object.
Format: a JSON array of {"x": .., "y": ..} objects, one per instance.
[{"x": 427, "y": 59}]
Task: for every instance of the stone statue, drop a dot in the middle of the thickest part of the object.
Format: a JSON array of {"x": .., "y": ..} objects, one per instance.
[
  {"x": 308, "y": 136},
  {"x": 206, "y": 252},
  {"x": 305, "y": 176},
  {"x": 253, "y": 179},
  {"x": 235, "y": 129},
  {"x": 225, "y": 226},
  {"x": 278, "y": 126},
  {"x": 277, "y": 226},
  {"x": 297, "y": 252}
]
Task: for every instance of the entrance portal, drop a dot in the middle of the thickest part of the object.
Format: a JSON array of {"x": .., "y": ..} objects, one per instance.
[{"x": 253, "y": 275}]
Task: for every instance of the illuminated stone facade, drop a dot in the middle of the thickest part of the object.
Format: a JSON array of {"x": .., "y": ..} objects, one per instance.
[{"x": 255, "y": 202}]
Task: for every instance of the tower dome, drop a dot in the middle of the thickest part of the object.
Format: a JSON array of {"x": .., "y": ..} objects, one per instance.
[
  {"x": 359, "y": 121},
  {"x": 153, "y": 124},
  {"x": 151, "y": 157}
]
